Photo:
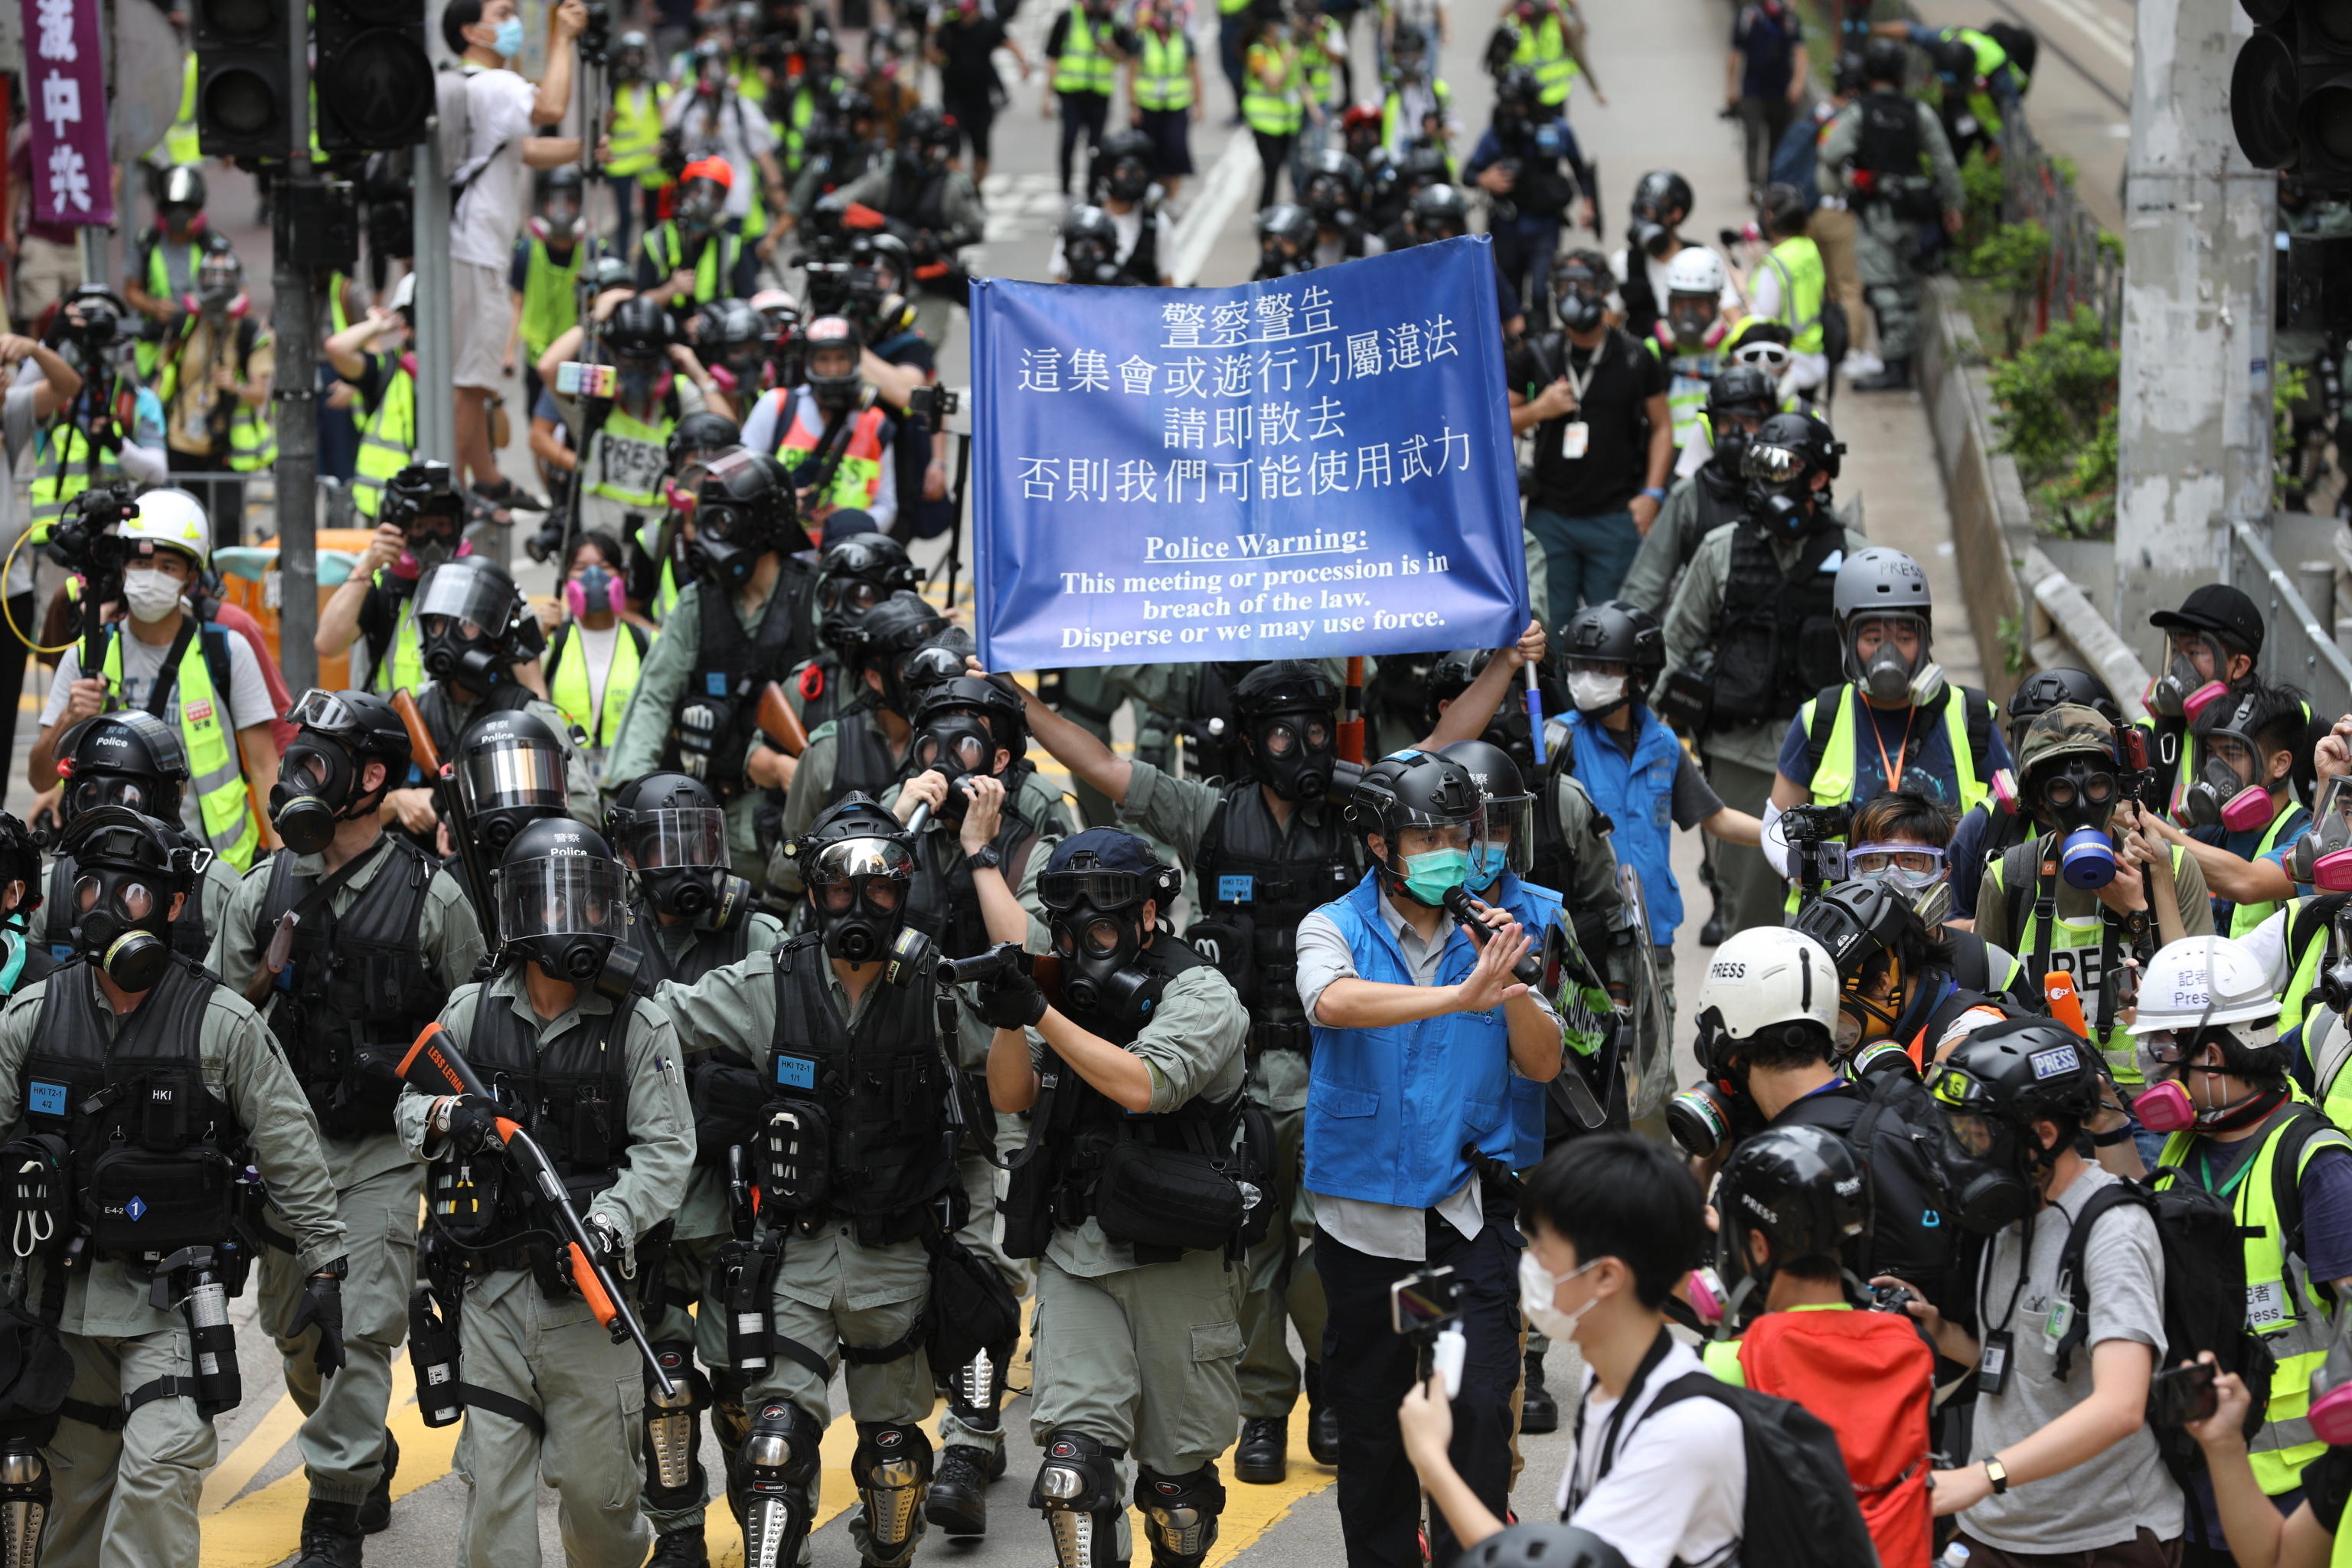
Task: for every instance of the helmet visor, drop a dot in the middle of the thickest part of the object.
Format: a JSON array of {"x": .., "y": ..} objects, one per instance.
[
  {"x": 1771, "y": 464},
  {"x": 513, "y": 772},
  {"x": 1510, "y": 838},
  {"x": 560, "y": 895},
  {"x": 877, "y": 870},
  {"x": 466, "y": 592},
  {"x": 324, "y": 710},
  {"x": 692, "y": 836}
]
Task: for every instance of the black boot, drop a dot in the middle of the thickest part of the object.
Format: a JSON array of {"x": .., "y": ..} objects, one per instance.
[
  {"x": 1538, "y": 1412},
  {"x": 1895, "y": 378},
  {"x": 1712, "y": 933},
  {"x": 958, "y": 1500},
  {"x": 331, "y": 1536},
  {"x": 375, "y": 1509},
  {"x": 1322, "y": 1421},
  {"x": 1263, "y": 1456},
  {"x": 685, "y": 1548}
]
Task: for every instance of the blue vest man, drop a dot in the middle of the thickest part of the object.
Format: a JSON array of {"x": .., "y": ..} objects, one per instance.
[{"x": 1418, "y": 1030}]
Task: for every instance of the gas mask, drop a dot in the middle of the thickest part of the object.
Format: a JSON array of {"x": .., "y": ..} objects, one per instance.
[
  {"x": 1889, "y": 677},
  {"x": 1293, "y": 751},
  {"x": 714, "y": 553},
  {"x": 2181, "y": 693},
  {"x": 1088, "y": 259},
  {"x": 1580, "y": 311},
  {"x": 1988, "y": 1172},
  {"x": 2167, "y": 1106},
  {"x": 699, "y": 207},
  {"x": 565, "y": 911},
  {"x": 681, "y": 865},
  {"x": 957, "y": 746},
  {"x": 1593, "y": 692},
  {"x": 1129, "y": 180},
  {"x": 1102, "y": 981},
  {"x": 1649, "y": 233},
  {"x": 858, "y": 891},
  {"x": 87, "y": 791},
  {"x": 1691, "y": 320},
  {"x": 1325, "y": 197},
  {"x": 559, "y": 223},
  {"x": 1781, "y": 495},
  {"x": 316, "y": 781},
  {"x": 2079, "y": 795},
  {"x": 455, "y": 656},
  {"x": 428, "y": 548},
  {"x": 1277, "y": 257},
  {"x": 2322, "y": 857},
  {"x": 2221, "y": 797},
  {"x": 833, "y": 390},
  {"x": 120, "y": 918}
]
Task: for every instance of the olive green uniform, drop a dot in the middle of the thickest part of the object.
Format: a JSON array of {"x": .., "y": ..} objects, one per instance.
[
  {"x": 129, "y": 1496},
  {"x": 554, "y": 1355},
  {"x": 378, "y": 1189},
  {"x": 1883, "y": 242},
  {"x": 1146, "y": 1356},
  {"x": 832, "y": 1290},
  {"x": 1741, "y": 759}
]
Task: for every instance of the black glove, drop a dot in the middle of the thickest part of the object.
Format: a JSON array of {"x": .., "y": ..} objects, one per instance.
[
  {"x": 321, "y": 1308},
  {"x": 610, "y": 1250},
  {"x": 472, "y": 1125},
  {"x": 1012, "y": 1001}
]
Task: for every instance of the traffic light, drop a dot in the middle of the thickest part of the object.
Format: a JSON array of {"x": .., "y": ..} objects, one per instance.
[
  {"x": 244, "y": 96},
  {"x": 2291, "y": 90},
  {"x": 376, "y": 86}
]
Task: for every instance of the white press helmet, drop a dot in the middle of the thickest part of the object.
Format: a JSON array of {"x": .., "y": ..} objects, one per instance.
[
  {"x": 1695, "y": 269},
  {"x": 171, "y": 520},
  {"x": 2206, "y": 981},
  {"x": 1768, "y": 975}
]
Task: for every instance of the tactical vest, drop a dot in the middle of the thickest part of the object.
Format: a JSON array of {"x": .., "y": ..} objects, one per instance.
[
  {"x": 1889, "y": 143},
  {"x": 731, "y": 668},
  {"x": 187, "y": 935},
  {"x": 709, "y": 950},
  {"x": 1142, "y": 263},
  {"x": 152, "y": 1155},
  {"x": 358, "y": 988},
  {"x": 861, "y": 758},
  {"x": 943, "y": 904},
  {"x": 1776, "y": 641},
  {"x": 881, "y": 1084},
  {"x": 1253, "y": 883}
]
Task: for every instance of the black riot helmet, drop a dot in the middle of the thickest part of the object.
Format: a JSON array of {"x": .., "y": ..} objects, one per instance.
[
  {"x": 1738, "y": 392},
  {"x": 1122, "y": 165},
  {"x": 180, "y": 190},
  {"x": 744, "y": 507},
  {"x": 669, "y": 831},
  {"x": 640, "y": 329},
  {"x": 1542, "y": 1545},
  {"x": 1450, "y": 675},
  {"x": 320, "y": 779},
  {"x": 562, "y": 900},
  {"x": 1780, "y": 209},
  {"x": 1990, "y": 1090},
  {"x": 1289, "y": 713},
  {"x": 886, "y": 633},
  {"x": 1334, "y": 183},
  {"x": 854, "y": 574},
  {"x": 1429, "y": 813},
  {"x": 1089, "y": 243},
  {"x": 698, "y": 435},
  {"x": 603, "y": 272},
  {"x": 1870, "y": 930},
  {"x": 469, "y": 617},
  {"x": 1662, "y": 199},
  {"x": 1848, "y": 76},
  {"x": 510, "y": 775},
  {"x": 960, "y": 727},
  {"x": 1094, "y": 887},
  {"x": 729, "y": 332},
  {"x": 128, "y": 869},
  {"x": 937, "y": 657},
  {"x": 1518, "y": 100},
  {"x": 2046, "y": 688},
  {"x": 1779, "y": 463},
  {"x": 128, "y": 758},
  {"x": 1615, "y": 632},
  {"x": 857, "y": 862},
  {"x": 928, "y": 137},
  {"x": 1510, "y": 841},
  {"x": 1438, "y": 212},
  {"x": 1802, "y": 1191},
  {"x": 1884, "y": 62},
  {"x": 1285, "y": 235}
]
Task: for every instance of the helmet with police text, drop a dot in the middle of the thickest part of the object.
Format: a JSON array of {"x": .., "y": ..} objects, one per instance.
[
  {"x": 1428, "y": 812},
  {"x": 1541, "y": 1545},
  {"x": 323, "y": 777},
  {"x": 1991, "y": 1089},
  {"x": 832, "y": 345},
  {"x": 467, "y": 612},
  {"x": 128, "y": 758},
  {"x": 127, "y": 870},
  {"x": 1122, "y": 165},
  {"x": 744, "y": 507},
  {"x": 1438, "y": 212},
  {"x": 857, "y": 862},
  {"x": 854, "y": 574},
  {"x": 510, "y": 774},
  {"x": 1800, "y": 1191},
  {"x": 669, "y": 831},
  {"x": 1290, "y": 713},
  {"x": 2204, "y": 989},
  {"x": 1510, "y": 841},
  {"x": 562, "y": 900}
]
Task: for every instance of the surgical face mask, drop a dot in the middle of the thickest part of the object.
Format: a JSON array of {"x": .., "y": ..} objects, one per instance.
[
  {"x": 153, "y": 596},
  {"x": 1489, "y": 858},
  {"x": 1539, "y": 1287},
  {"x": 1593, "y": 692},
  {"x": 1429, "y": 877},
  {"x": 508, "y": 43}
]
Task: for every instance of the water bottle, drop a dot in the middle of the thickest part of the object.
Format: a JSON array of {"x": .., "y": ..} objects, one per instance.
[{"x": 1956, "y": 1556}]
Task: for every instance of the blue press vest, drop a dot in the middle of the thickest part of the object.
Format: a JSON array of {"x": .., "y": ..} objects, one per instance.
[
  {"x": 1389, "y": 1110},
  {"x": 1535, "y": 908},
  {"x": 1637, "y": 793}
]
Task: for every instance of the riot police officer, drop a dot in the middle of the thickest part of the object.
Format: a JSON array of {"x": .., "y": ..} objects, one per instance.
[
  {"x": 586, "y": 1065},
  {"x": 1751, "y": 635},
  {"x": 378, "y": 936},
  {"x": 132, "y": 759},
  {"x": 151, "y": 1085},
  {"x": 742, "y": 623},
  {"x": 854, "y": 1153},
  {"x": 690, "y": 917},
  {"x": 854, "y": 575},
  {"x": 862, "y": 744},
  {"x": 1141, "y": 1048},
  {"x": 1738, "y": 399}
]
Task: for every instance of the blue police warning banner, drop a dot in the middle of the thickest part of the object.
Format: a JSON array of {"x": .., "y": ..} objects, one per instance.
[{"x": 1318, "y": 465}]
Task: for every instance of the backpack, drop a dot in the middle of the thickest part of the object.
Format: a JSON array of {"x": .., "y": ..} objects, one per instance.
[
  {"x": 2204, "y": 1291},
  {"x": 1800, "y": 1511},
  {"x": 2023, "y": 50}
]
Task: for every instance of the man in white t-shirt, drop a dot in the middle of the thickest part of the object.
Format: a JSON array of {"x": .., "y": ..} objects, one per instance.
[
  {"x": 1614, "y": 1224},
  {"x": 502, "y": 110}
]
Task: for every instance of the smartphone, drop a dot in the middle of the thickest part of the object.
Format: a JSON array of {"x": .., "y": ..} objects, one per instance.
[
  {"x": 575, "y": 378},
  {"x": 1425, "y": 1302},
  {"x": 2180, "y": 1395}
]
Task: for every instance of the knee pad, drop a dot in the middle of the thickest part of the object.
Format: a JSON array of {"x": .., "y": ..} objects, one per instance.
[
  {"x": 1179, "y": 1514},
  {"x": 892, "y": 1468},
  {"x": 1078, "y": 1491},
  {"x": 24, "y": 1500},
  {"x": 673, "y": 1436},
  {"x": 780, "y": 1459}
]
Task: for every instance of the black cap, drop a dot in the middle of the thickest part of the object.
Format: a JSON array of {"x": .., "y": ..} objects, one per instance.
[
  {"x": 1112, "y": 849},
  {"x": 2216, "y": 607}
]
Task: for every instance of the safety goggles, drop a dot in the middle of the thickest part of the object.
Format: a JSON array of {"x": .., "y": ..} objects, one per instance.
[
  {"x": 317, "y": 709},
  {"x": 1771, "y": 464},
  {"x": 1287, "y": 735},
  {"x": 90, "y": 791},
  {"x": 837, "y": 594},
  {"x": 1874, "y": 859},
  {"x": 1771, "y": 358},
  {"x": 1104, "y": 890}
]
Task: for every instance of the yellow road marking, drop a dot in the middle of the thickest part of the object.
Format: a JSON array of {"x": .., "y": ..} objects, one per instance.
[
  {"x": 1250, "y": 1512},
  {"x": 265, "y": 1527},
  {"x": 250, "y": 1457}
]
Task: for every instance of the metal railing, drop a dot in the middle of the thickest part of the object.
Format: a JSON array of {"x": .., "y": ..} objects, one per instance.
[
  {"x": 2296, "y": 650},
  {"x": 2086, "y": 266}
]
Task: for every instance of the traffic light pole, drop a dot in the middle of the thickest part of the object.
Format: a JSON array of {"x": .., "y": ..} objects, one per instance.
[
  {"x": 2193, "y": 420},
  {"x": 294, "y": 388}
]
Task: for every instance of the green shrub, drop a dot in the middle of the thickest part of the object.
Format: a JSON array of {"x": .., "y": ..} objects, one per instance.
[{"x": 2057, "y": 400}]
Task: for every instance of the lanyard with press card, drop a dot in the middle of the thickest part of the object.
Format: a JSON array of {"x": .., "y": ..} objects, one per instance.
[{"x": 1993, "y": 1363}]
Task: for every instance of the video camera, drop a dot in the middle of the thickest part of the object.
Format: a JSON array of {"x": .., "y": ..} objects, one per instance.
[
  {"x": 1426, "y": 1306},
  {"x": 934, "y": 404},
  {"x": 595, "y": 41},
  {"x": 419, "y": 491},
  {"x": 84, "y": 541}
]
